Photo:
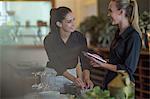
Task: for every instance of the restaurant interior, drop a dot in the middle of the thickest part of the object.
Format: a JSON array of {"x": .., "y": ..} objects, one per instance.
[{"x": 23, "y": 27}]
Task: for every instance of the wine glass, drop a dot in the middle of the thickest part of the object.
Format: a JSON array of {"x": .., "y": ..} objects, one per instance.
[{"x": 36, "y": 76}]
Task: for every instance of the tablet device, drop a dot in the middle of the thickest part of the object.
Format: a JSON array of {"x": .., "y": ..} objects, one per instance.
[{"x": 89, "y": 55}]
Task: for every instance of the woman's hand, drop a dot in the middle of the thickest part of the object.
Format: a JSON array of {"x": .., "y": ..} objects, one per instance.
[
  {"x": 88, "y": 83},
  {"x": 86, "y": 79},
  {"x": 96, "y": 63},
  {"x": 78, "y": 82}
]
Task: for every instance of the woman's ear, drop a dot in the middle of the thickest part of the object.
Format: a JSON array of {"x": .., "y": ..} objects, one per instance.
[
  {"x": 122, "y": 11},
  {"x": 58, "y": 24}
]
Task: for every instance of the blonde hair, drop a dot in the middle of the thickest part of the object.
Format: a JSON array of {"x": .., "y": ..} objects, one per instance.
[{"x": 132, "y": 13}]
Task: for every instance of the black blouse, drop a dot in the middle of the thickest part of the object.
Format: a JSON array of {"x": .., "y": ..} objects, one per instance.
[
  {"x": 124, "y": 52},
  {"x": 63, "y": 56}
]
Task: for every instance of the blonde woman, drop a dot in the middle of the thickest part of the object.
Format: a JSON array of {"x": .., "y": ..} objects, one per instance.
[{"x": 125, "y": 48}]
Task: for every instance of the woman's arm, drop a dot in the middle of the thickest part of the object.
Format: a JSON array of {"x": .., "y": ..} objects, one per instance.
[
  {"x": 96, "y": 63},
  {"x": 86, "y": 74},
  {"x": 69, "y": 76},
  {"x": 78, "y": 82},
  {"x": 85, "y": 65},
  {"x": 110, "y": 67},
  {"x": 86, "y": 79}
]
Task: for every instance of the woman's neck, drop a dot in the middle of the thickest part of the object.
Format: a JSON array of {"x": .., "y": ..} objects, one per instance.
[
  {"x": 64, "y": 35},
  {"x": 123, "y": 26}
]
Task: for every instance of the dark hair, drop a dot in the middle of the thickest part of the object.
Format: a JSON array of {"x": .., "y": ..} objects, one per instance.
[{"x": 57, "y": 15}]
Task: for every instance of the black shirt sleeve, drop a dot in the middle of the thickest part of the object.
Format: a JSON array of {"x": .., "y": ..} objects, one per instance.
[
  {"x": 132, "y": 54},
  {"x": 83, "y": 60}
]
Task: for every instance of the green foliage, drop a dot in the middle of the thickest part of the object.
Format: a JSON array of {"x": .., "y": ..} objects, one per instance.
[
  {"x": 97, "y": 93},
  {"x": 145, "y": 21},
  {"x": 100, "y": 29}
]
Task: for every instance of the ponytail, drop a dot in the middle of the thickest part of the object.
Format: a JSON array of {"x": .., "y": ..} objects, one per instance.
[
  {"x": 132, "y": 13},
  {"x": 134, "y": 20},
  {"x": 53, "y": 20}
]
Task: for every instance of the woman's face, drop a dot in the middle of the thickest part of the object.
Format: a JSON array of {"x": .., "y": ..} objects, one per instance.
[
  {"x": 68, "y": 24},
  {"x": 114, "y": 13}
]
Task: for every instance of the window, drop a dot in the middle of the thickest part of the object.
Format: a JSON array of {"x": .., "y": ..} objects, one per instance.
[
  {"x": 3, "y": 15},
  {"x": 21, "y": 18}
]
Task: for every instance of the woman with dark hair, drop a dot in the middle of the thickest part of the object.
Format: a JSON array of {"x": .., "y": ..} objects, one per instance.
[
  {"x": 125, "y": 48},
  {"x": 64, "y": 47}
]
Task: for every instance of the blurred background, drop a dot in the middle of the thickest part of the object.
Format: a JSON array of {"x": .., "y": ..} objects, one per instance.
[{"x": 25, "y": 23}]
